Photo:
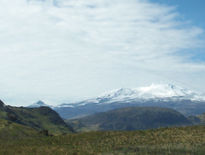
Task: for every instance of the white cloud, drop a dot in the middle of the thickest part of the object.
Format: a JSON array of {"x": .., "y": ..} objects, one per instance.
[{"x": 71, "y": 49}]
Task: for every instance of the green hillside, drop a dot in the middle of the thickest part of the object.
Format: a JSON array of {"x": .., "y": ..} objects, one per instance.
[
  {"x": 132, "y": 118},
  {"x": 43, "y": 118},
  {"x": 11, "y": 131}
]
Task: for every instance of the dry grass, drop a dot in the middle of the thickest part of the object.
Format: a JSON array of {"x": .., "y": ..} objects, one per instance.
[{"x": 165, "y": 141}]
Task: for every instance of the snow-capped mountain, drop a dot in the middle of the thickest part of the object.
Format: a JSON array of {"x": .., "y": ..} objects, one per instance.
[
  {"x": 38, "y": 104},
  {"x": 163, "y": 92},
  {"x": 154, "y": 91},
  {"x": 157, "y": 95}
]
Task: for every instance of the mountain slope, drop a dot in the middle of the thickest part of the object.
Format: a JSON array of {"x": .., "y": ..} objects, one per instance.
[
  {"x": 198, "y": 119},
  {"x": 42, "y": 118},
  {"x": 132, "y": 118}
]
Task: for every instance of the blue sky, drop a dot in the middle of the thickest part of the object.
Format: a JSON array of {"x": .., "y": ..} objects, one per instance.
[
  {"x": 192, "y": 10},
  {"x": 74, "y": 51}
]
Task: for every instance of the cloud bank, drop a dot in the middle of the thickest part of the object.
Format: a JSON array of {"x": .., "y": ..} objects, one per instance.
[{"x": 62, "y": 50}]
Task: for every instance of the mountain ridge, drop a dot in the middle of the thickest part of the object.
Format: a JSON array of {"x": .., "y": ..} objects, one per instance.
[
  {"x": 38, "y": 104},
  {"x": 41, "y": 118}
]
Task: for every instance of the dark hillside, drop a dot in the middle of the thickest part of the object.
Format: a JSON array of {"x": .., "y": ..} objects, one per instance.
[{"x": 132, "y": 118}]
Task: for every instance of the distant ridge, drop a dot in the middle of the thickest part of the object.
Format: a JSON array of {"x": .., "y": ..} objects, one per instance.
[{"x": 38, "y": 104}]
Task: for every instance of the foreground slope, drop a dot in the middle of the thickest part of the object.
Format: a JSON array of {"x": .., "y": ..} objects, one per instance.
[
  {"x": 165, "y": 141},
  {"x": 132, "y": 118},
  {"x": 42, "y": 118}
]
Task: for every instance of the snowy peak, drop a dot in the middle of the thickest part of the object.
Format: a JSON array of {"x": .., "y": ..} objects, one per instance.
[
  {"x": 151, "y": 92},
  {"x": 38, "y": 104},
  {"x": 118, "y": 92},
  {"x": 163, "y": 90}
]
